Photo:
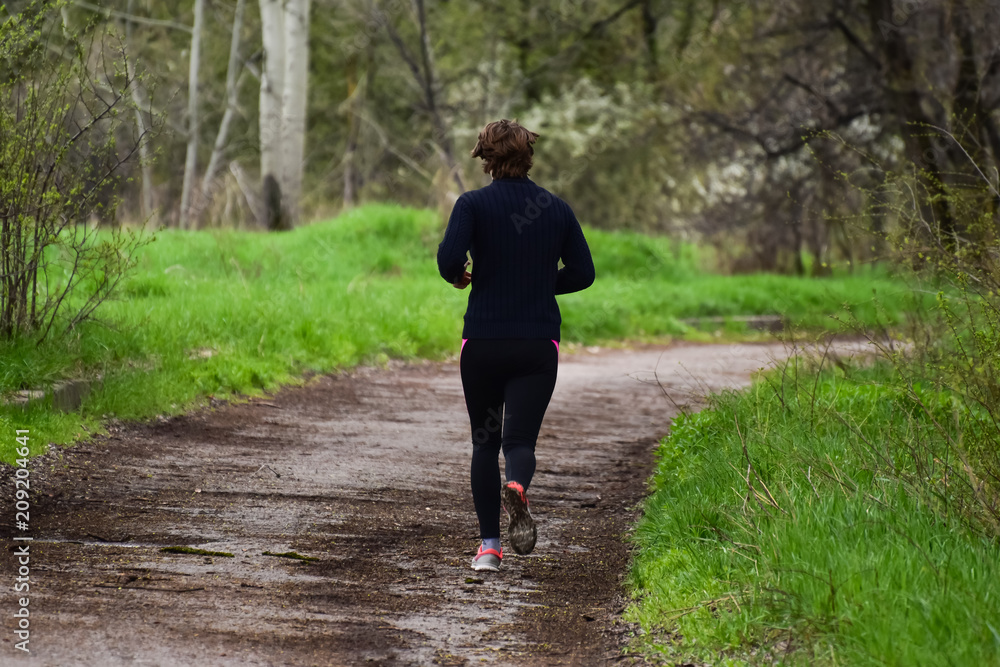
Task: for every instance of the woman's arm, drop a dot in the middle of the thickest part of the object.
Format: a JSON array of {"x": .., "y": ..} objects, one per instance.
[
  {"x": 578, "y": 266},
  {"x": 451, "y": 256}
]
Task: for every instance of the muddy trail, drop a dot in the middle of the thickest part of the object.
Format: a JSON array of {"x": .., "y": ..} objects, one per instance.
[{"x": 365, "y": 474}]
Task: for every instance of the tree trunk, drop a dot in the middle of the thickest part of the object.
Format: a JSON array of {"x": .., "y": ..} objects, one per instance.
[
  {"x": 272, "y": 87},
  {"x": 293, "y": 108},
  {"x": 965, "y": 107},
  {"x": 190, "y": 161},
  {"x": 64, "y": 12},
  {"x": 232, "y": 92},
  {"x": 350, "y": 178},
  {"x": 423, "y": 75},
  {"x": 906, "y": 100},
  {"x": 146, "y": 205},
  {"x": 649, "y": 27},
  {"x": 442, "y": 134},
  {"x": 976, "y": 130}
]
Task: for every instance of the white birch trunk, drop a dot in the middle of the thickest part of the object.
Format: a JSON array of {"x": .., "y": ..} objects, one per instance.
[
  {"x": 272, "y": 85},
  {"x": 64, "y": 10},
  {"x": 144, "y": 159},
  {"x": 191, "y": 160},
  {"x": 293, "y": 123},
  {"x": 232, "y": 91}
]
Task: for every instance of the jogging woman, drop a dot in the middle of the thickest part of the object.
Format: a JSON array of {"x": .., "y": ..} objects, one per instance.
[{"x": 516, "y": 232}]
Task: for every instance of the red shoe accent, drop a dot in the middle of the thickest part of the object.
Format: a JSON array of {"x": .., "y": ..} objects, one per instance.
[
  {"x": 483, "y": 552},
  {"x": 520, "y": 490}
]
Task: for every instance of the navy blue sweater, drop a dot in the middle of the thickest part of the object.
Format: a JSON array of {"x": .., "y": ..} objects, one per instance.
[{"x": 516, "y": 233}]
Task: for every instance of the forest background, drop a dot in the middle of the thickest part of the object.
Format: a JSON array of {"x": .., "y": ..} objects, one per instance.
[{"x": 775, "y": 132}]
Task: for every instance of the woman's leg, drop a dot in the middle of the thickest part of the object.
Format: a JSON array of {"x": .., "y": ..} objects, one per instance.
[
  {"x": 484, "y": 393},
  {"x": 526, "y": 398}
]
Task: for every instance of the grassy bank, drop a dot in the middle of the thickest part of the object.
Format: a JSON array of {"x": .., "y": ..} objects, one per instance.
[
  {"x": 808, "y": 521},
  {"x": 225, "y": 312}
]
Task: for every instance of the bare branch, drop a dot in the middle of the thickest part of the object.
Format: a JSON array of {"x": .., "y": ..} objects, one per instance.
[{"x": 108, "y": 12}]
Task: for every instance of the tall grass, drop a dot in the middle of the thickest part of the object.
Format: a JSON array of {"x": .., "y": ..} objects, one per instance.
[
  {"x": 789, "y": 523},
  {"x": 223, "y": 313},
  {"x": 845, "y": 516}
]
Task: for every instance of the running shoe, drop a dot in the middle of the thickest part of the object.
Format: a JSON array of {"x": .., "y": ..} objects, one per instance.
[
  {"x": 487, "y": 559},
  {"x": 521, "y": 531}
]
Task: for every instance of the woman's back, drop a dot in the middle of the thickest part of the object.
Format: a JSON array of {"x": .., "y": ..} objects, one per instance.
[{"x": 516, "y": 232}]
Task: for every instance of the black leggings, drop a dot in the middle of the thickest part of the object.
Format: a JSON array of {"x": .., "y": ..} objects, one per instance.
[{"x": 508, "y": 384}]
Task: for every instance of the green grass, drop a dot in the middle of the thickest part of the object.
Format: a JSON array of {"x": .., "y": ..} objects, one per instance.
[
  {"x": 830, "y": 560},
  {"x": 225, "y": 313}
]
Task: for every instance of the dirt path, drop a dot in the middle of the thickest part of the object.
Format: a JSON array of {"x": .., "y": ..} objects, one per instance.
[{"x": 367, "y": 473}]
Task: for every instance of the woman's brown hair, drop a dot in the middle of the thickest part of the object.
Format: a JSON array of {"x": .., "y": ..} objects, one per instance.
[{"x": 505, "y": 148}]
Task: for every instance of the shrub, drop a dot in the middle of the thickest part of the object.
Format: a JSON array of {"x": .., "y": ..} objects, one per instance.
[{"x": 65, "y": 140}]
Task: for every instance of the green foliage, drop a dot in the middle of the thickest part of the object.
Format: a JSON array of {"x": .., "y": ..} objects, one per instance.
[
  {"x": 60, "y": 160},
  {"x": 702, "y": 119},
  {"x": 799, "y": 521},
  {"x": 225, "y": 313}
]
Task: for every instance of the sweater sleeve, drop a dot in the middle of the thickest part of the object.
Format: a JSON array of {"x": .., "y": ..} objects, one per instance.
[
  {"x": 456, "y": 243},
  {"x": 578, "y": 266}
]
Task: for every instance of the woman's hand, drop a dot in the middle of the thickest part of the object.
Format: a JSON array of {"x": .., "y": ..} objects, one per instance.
[{"x": 464, "y": 281}]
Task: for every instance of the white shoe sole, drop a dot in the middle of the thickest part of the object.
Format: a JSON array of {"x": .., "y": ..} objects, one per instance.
[{"x": 486, "y": 564}]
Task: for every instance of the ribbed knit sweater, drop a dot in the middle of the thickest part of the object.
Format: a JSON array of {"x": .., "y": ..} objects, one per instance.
[{"x": 516, "y": 232}]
